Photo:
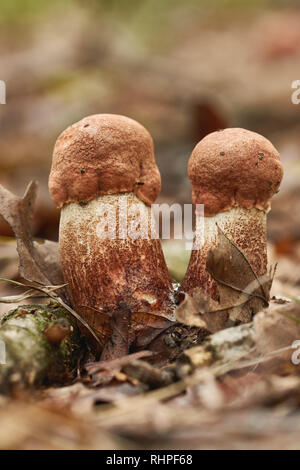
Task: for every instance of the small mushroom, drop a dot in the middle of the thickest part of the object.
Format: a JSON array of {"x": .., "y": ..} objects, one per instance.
[
  {"x": 234, "y": 173},
  {"x": 98, "y": 161},
  {"x": 56, "y": 332}
]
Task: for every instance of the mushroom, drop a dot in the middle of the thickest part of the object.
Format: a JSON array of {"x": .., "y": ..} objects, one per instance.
[
  {"x": 107, "y": 161},
  {"x": 234, "y": 173}
]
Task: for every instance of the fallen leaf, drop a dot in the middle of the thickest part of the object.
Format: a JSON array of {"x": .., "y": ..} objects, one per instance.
[
  {"x": 202, "y": 311},
  {"x": 39, "y": 262},
  {"x": 147, "y": 327},
  {"x": 241, "y": 292}
]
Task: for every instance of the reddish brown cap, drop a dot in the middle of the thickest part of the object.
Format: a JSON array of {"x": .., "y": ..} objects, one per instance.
[
  {"x": 104, "y": 154},
  {"x": 234, "y": 167}
]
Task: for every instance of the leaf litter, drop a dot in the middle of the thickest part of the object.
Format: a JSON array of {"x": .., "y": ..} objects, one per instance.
[{"x": 194, "y": 383}]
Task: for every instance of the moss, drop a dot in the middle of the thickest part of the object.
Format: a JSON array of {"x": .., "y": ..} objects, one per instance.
[{"x": 29, "y": 356}]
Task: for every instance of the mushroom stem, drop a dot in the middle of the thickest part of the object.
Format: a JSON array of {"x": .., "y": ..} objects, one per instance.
[
  {"x": 246, "y": 228},
  {"x": 101, "y": 270}
]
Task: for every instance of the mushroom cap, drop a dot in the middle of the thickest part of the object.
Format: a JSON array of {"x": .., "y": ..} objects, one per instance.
[
  {"x": 234, "y": 168},
  {"x": 104, "y": 154}
]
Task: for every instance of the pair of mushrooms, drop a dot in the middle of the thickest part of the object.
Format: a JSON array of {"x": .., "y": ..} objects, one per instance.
[{"x": 234, "y": 173}]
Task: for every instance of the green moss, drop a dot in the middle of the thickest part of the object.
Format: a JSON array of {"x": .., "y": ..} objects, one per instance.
[{"x": 30, "y": 356}]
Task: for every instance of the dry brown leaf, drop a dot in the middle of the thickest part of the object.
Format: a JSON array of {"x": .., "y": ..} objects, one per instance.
[
  {"x": 241, "y": 292},
  {"x": 147, "y": 327},
  {"x": 39, "y": 262},
  {"x": 49, "y": 253},
  {"x": 200, "y": 310},
  {"x": 277, "y": 332}
]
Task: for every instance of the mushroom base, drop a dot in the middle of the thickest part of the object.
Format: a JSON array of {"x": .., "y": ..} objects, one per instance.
[
  {"x": 246, "y": 228},
  {"x": 103, "y": 266}
]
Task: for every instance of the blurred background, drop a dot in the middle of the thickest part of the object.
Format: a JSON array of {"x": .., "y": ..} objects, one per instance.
[{"x": 183, "y": 68}]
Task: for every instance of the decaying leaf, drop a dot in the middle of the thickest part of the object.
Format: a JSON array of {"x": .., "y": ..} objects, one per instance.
[
  {"x": 241, "y": 292},
  {"x": 48, "y": 251},
  {"x": 277, "y": 331},
  {"x": 39, "y": 262},
  {"x": 147, "y": 327},
  {"x": 200, "y": 310},
  {"x": 130, "y": 330}
]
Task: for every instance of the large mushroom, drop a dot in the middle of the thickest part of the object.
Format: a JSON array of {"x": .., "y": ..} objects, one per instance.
[
  {"x": 234, "y": 173},
  {"x": 100, "y": 163}
]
